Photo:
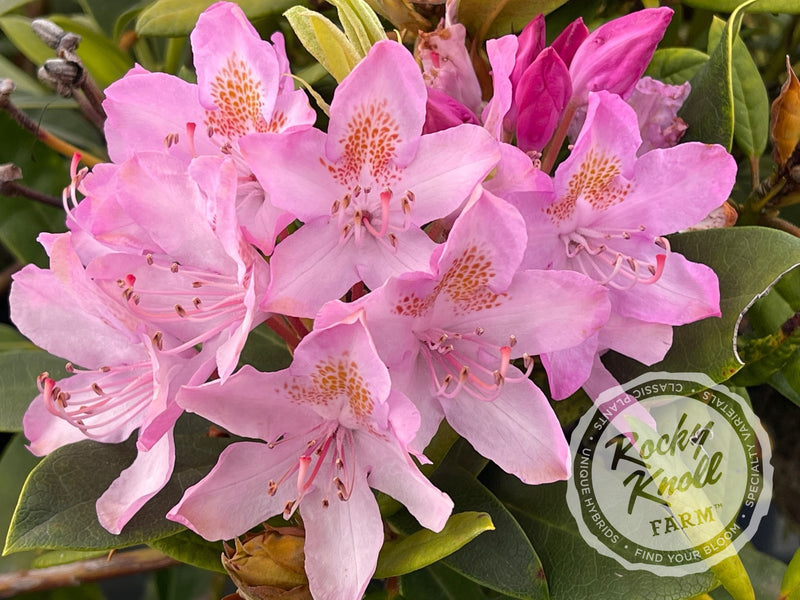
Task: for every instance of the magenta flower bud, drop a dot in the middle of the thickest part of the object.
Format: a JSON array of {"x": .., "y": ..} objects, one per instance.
[
  {"x": 444, "y": 112},
  {"x": 541, "y": 97},
  {"x": 615, "y": 55},
  {"x": 569, "y": 40},
  {"x": 531, "y": 42}
]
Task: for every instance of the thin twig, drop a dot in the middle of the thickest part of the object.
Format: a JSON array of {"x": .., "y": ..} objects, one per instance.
[{"x": 85, "y": 571}]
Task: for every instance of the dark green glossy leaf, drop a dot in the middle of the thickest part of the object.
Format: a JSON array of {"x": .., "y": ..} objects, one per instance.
[
  {"x": 439, "y": 582},
  {"x": 190, "y": 548},
  {"x": 18, "y": 372},
  {"x": 425, "y": 547},
  {"x": 15, "y": 464},
  {"x": 494, "y": 19},
  {"x": 778, "y": 6},
  {"x": 502, "y": 560},
  {"x": 676, "y": 65},
  {"x": 57, "y": 506},
  {"x": 173, "y": 18},
  {"x": 265, "y": 350},
  {"x": 574, "y": 569},
  {"x": 750, "y": 102},
  {"x": 709, "y": 110},
  {"x": 748, "y": 262}
]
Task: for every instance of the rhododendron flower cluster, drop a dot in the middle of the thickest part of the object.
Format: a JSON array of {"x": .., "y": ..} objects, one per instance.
[{"x": 438, "y": 261}]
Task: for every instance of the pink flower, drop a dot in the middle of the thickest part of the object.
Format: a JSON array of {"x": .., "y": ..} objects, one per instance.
[
  {"x": 657, "y": 105},
  {"x": 605, "y": 214},
  {"x": 364, "y": 189},
  {"x": 244, "y": 86},
  {"x": 333, "y": 428},
  {"x": 449, "y": 338},
  {"x": 126, "y": 381}
]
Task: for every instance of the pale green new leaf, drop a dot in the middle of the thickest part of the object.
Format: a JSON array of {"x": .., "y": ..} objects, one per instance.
[
  {"x": 425, "y": 547},
  {"x": 324, "y": 41},
  {"x": 361, "y": 24}
]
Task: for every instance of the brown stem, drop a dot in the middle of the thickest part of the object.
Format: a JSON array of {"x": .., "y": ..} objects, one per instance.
[
  {"x": 45, "y": 136},
  {"x": 11, "y": 188},
  {"x": 551, "y": 150},
  {"x": 85, "y": 571},
  {"x": 781, "y": 224}
]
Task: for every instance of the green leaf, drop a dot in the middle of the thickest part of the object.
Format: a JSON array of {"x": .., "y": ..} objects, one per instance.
[
  {"x": 18, "y": 372},
  {"x": 11, "y": 339},
  {"x": 24, "y": 83},
  {"x": 709, "y": 109},
  {"x": 750, "y": 103},
  {"x": 776, "y": 6},
  {"x": 15, "y": 464},
  {"x": 790, "y": 584},
  {"x": 107, "y": 12},
  {"x": 265, "y": 350},
  {"x": 324, "y": 41},
  {"x": 575, "y": 569},
  {"x": 102, "y": 58},
  {"x": 494, "y": 19},
  {"x": 361, "y": 24},
  {"x": 9, "y": 5},
  {"x": 748, "y": 261},
  {"x": 425, "y": 547},
  {"x": 676, "y": 65},
  {"x": 175, "y": 18},
  {"x": 63, "y": 557},
  {"x": 438, "y": 581},
  {"x": 57, "y": 507},
  {"x": 190, "y": 548},
  {"x": 502, "y": 560},
  {"x": 18, "y": 29}
]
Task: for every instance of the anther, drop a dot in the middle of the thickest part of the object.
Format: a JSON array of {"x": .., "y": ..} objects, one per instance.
[
  {"x": 272, "y": 487},
  {"x": 174, "y": 267},
  {"x": 392, "y": 240},
  {"x": 196, "y": 302},
  {"x": 325, "y": 503},
  {"x": 97, "y": 389},
  {"x": 479, "y": 331},
  {"x": 197, "y": 284},
  {"x": 149, "y": 259},
  {"x": 512, "y": 340},
  {"x": 105, "y": 369},
  {"x": 356, "y": 191},
  {"x": 180, "y": 310},
  {"x": 69, "y": 368},
  {"x": 335, "y": 207},
  {"x": 120, "y": 283},
  {"x": 158, "y": 340},
  {"x": 410, "y": 196},
  {"x": 210, "y": 131}
]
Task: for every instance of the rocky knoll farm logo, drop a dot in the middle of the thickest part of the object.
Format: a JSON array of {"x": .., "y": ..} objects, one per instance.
[{"x": 670, "y": 473}]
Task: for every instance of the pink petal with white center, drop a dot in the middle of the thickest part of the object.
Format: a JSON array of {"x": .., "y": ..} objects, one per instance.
[
  {"x": 233, "y": 497},
  {"x": 311, "y": 267},
  {"x": 377, "y": 115},
  {"x": 518, "y": 431},
  {"x": 392, "y": 471},
  {"x": 413, "y": 253},
  {"x": 237, "y": 73},
  {"x": 674, "y": 188},
  {"x": 516, "y": 173},
  {"x": 148, "y": 474},
  {"x": 441, "y": 178},
  {"x": 343, "y": 540},
  {"x": 502, "y": 56},
  {"x": 646, "y": 342},
  {"x": 685, "y": 292},
  {"x": 150, "y": 112},
  {"x": 568, "y": 369}
]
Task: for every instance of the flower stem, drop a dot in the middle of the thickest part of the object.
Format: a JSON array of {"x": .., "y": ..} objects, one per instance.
[{"x": 550, "y": 152}]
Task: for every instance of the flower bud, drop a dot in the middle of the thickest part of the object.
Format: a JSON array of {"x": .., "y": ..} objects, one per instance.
[
  {"x": 784, "y": 126},
  {"x": 444, "y": 112},
  {"x": 48, "y": 32},
  {"x": 569, "y": 40},
  {"x": 62, "y": 74},
  {"x": 615, "y": 55},
  {"x": 269, "y": 565}
]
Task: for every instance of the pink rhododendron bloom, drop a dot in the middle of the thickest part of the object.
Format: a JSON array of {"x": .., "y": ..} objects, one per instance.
[
  {"x": 243, "y": 85},
  {"x": 657, "y": 105},
  {"x": 605, "y": 214},
  {"x": 201, "y": 282},
  {"x": 446, "y": 64},
  {"x": 126, "y": 381},
  {"x": 367, "y": 186},
  {"x": 449, "y": 338},
  {"x": 334, "y": 428}
]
